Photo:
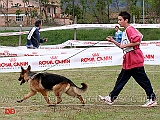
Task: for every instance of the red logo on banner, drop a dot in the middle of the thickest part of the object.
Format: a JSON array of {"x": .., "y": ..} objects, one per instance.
[
  {"x": 154, "y": 42},
  {"x": 13, "y": 63},
  {"x": 63, "y": 52},
  {"x": 158, "y": 44},
  {"x": 13, "y": 60},
  {"x": 6, "y": 51},
  {"x": 54, "y": 57},
  {"x": 96, "y": 58},
  {"x": 144, "y": 44},
  {"x": 95, "y": 54},
  {"x": 34, "y": 52},
  {"x": 149, "y": 56},
  {"x": 9, "y": 111},
  {"x": 66, "y": 61},
  {"x": 89, "y": 42}
]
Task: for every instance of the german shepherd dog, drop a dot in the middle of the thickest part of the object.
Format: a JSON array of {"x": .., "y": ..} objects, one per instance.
[{"x": 43, "y": 82}]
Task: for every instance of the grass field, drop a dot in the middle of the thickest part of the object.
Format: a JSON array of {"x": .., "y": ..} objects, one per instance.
[
  {"x": 101, "y": 80},
  {"x": 59, "y": 36}
]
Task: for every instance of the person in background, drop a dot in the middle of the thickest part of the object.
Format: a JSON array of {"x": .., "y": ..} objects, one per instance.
[
  {"x": 33, "y": 38},
  {"x": 133, "y": 63},
  {"x": 118, "y": 34}
]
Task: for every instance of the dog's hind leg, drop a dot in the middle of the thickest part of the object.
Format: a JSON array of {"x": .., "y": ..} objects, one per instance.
[
  {"x": 80, "y": 98},
  {"x": 59, "y": 89},
  {"x": 58, "y": 94},
  {"x": 71, "y": 92},
  {"x": 31, "y": 93}
]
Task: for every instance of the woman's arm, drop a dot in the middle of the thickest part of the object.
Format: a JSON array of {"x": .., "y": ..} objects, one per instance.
[
  {"x": 110, "y": 39},
  {"x": 129, "y": 45}
]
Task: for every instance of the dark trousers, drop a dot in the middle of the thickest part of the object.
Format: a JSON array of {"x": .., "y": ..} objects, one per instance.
[{"x": 141, "y": 78}]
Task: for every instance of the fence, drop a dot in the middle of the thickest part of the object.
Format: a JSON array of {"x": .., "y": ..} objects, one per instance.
[{"x": 78, "y": 26}]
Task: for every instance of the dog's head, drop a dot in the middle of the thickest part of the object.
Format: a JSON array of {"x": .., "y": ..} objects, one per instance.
[{"x": 24, "y": 75}]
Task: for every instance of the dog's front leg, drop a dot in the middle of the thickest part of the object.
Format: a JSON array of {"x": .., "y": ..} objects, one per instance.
[{"x": 31, "y": 93}]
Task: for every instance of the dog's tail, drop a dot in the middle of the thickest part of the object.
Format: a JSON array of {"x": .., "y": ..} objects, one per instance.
[{"x": 81, "y": 90}]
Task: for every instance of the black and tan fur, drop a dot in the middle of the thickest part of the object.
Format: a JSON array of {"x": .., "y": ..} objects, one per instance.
[{"x": 44, "y": 82}]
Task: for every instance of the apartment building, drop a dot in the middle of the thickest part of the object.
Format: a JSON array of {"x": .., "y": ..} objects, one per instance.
[{"x": 25, "y": 12}]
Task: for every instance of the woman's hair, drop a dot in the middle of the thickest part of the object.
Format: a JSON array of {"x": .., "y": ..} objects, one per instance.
[
  {"x": 38, "y": 23},
  {"x": 116, "y": 26},
  {"x": 125, "y": 15}
]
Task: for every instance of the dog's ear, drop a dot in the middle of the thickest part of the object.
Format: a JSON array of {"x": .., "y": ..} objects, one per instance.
[
  {"x": 22, "y": 69},
  {"x": 29, "y": 68}
]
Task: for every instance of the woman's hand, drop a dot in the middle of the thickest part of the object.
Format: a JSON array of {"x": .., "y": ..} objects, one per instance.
[
  {"x": 122, "y": 46},
  {"x": 45, "y": 39},
  {"x": 110, "y": 39}
]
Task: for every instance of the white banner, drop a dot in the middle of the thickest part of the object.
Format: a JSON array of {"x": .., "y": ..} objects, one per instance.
[
  {"x": 77, "y": 26},
  {"x": 104, "y": 43},
  {"x": 9, "y": 52},
  {"x": 52, "y": 50},
  {"x": 91, "y": 57},
  {"x": 56, "y": 62}
]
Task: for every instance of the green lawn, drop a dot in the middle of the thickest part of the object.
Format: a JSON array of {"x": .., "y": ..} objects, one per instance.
[
  {"x": 101, "y": 80},
  {"x": 60, "y": 36}
]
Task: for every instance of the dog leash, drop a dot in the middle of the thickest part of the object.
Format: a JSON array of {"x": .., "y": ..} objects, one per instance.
[{"x": 65, "y": 59}]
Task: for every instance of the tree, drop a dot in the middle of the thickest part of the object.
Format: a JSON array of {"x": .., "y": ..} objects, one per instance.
[
  {"x": 84, "y": 9},
  {"x": 34, "y": 13},
  {"x": 100, "y": 10},
  {"x": 68, "y": 7},
  {"x": 108, "y": 2},
  {"x": 26, "y": 3},
  {"x": 116, "y": 5},
  {"x": 18, "y": 12},
  {"x": 44, "y": 3},
  {"x": 154, "y": 9},
  {"x": 71, "y": 8}
]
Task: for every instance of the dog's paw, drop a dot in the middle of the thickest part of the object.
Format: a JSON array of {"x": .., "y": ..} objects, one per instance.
[
  {"x": 50, "y": 105},
  {"x": 19, "y": 101},
  {"x": 83, "y": 104}
]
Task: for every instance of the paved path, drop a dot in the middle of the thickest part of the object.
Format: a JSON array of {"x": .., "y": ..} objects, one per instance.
[{"x": 18, "y": 28}]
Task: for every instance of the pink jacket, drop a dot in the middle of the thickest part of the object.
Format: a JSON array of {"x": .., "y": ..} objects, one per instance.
[{"x": 135, "y": 57}]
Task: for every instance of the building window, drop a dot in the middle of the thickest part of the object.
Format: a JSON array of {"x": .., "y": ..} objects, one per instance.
[
  {"x": 54, "y": 10},
  {"x": 19, "y": 18},
  {"x": 49, "y": 10}
]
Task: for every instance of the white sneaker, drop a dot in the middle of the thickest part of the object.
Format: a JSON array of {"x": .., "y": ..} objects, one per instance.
[
  {"x": 150, "y": 103},
  {"x": 106, "y": 99}
]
